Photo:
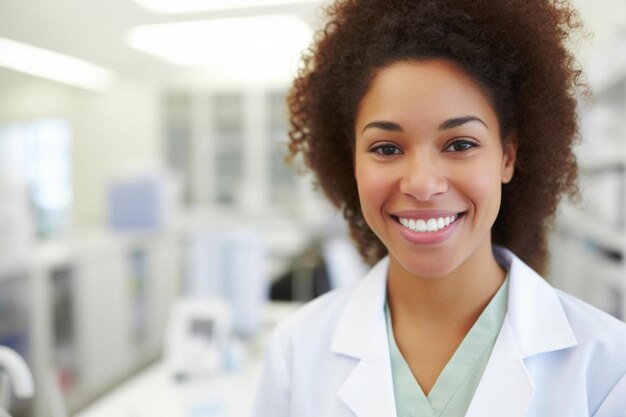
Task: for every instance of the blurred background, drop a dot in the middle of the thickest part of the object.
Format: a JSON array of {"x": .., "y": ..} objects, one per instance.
[{"x": 147, "y": 218}]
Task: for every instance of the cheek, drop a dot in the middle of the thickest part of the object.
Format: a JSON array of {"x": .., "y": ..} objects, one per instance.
[
  {"x": 366, "y": 185},
  {"x": 372, "y": 187},
  {"x": 484, "y": 188}
]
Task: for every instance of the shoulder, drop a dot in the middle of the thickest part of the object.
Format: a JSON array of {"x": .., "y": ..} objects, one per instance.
[
  {"x": 353, "y": 309},
  {"x": 546, "y": 319},
  {"x": 600, "y": 353},
  {"x": 567, "y": 343},
  {"x": 317, "y": 317},
  {"x": 595, "y": 328},
  {"x": 296, "y": 343}
]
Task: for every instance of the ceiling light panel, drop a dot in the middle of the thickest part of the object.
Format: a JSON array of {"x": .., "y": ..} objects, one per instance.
[
  {"x": 54, "y": 66},
  {"x": 248, "y": 44}
]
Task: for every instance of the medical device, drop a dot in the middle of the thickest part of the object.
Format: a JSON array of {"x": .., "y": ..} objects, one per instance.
[{"x": 198, "y": 337}]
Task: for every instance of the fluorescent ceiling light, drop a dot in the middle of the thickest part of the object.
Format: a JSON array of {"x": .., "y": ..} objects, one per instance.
[
  {"x": 248, "y": 44},
  {"x": 53, "y": 66},
  {"x": 191, "y": 6}
]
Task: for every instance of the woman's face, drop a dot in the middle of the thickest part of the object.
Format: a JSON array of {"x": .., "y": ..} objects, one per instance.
[{"x": 429, "y": 165}]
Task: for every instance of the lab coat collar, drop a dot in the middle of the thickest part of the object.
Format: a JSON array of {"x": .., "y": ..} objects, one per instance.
[
  {"x": 535, "y": 323},
  {"x": 535, "y": 314}
]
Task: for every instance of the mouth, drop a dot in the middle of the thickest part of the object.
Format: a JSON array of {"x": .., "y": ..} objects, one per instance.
[{"x": 430, "y": 225}]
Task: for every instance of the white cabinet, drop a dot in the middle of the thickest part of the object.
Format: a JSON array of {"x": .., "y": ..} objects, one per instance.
[
  {"x": 87, "y": 313},
  {"x": 229, "y": 146}
]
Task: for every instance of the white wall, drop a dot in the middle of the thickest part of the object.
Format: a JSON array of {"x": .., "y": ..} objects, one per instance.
[
  {"x": 112, "y": 133},
  {"x": 602, "y": 18}
]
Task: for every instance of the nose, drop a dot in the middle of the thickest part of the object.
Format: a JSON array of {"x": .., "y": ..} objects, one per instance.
[{"x": 423, "y": 178}]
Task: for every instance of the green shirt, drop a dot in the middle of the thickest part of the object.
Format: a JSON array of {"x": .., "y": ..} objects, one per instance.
[{"x": 454, "y": 389}]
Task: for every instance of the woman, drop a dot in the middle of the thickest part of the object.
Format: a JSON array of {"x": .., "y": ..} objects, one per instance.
[{"x": 443, "y": 129}]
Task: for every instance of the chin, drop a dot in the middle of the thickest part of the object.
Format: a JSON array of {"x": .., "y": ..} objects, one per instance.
[{"x": 428, "y": 267}]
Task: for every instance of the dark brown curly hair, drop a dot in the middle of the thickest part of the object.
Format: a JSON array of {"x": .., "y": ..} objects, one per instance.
[{"x": 514, "y": 49}]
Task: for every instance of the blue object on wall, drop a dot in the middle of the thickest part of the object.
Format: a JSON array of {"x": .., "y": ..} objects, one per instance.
[{"x": 136, "y": 204}]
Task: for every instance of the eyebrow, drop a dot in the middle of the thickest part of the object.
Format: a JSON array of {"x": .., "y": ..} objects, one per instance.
[
  {"x": 447, "y": 124},
  {"x": 388, "y": 126},
  {"x": 459, "y": 121}
]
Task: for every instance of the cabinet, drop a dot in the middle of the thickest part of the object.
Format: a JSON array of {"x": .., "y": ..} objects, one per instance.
[
  {"x": 228, "y": 147},
  {"x": 228, "y": 144},
  {"x": 86, "y": 313}
]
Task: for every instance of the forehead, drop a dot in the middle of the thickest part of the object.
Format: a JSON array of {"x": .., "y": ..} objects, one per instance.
[{"x": 423, "y": 93}]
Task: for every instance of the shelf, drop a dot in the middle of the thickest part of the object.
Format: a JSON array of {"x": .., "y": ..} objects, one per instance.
[
  {"x": 584, "y": 226},
  {"x": 602, "y": 161}
]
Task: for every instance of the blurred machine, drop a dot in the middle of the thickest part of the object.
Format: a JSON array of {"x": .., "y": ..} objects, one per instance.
[{"x": 198, "y": 337}]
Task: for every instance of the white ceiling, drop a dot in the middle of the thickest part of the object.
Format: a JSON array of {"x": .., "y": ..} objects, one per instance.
[{"x": 94, "y": 30}]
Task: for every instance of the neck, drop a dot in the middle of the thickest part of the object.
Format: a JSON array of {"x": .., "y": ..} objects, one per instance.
[{"x": 454, "y": 300}]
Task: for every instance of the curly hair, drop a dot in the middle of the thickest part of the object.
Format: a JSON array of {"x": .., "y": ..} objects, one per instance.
[{"x": 514, "y": 49}]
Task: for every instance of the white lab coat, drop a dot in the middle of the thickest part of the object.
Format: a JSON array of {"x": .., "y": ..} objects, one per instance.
[{"x": 555, "y": 356}]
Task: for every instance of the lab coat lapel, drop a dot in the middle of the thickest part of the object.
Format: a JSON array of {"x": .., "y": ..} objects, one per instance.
[
  {"x": 368, "y": 391},
  {"x": 535, "y": 323},
  {"x": 505, "y": 388},
  {"x": 534, "y": 311},
  {"x": 361, "y": 334}
]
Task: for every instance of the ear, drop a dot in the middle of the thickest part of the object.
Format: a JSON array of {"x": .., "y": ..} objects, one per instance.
[{"x": 509, "y": 154}]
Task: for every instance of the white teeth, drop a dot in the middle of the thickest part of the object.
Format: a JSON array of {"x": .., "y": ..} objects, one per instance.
[{"x": 429, "y": 225}]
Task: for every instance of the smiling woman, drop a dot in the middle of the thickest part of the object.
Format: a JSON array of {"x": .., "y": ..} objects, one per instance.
[
  {"x": 443, "y": 163},
  {"x": 443, "y": 129}
]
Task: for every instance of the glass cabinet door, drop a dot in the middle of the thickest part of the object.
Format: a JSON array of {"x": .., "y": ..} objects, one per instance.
[{"x": 228, "y": 146}]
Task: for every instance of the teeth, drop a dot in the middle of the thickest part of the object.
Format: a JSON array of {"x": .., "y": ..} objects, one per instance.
[{"x": 429, "y": 225}]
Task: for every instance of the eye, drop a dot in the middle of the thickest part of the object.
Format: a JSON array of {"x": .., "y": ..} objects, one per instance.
[
  {"x": 460, "y": 145},
  {"x": 386, "y": 149}
]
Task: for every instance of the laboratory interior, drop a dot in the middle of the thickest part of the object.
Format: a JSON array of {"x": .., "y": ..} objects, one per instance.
[{"x": 151, "y": 232}]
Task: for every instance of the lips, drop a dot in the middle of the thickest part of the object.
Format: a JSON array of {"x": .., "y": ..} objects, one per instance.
[{"x": 427, "y": 226}]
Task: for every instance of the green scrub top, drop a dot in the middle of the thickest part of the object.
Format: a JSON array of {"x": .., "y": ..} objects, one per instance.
[{"x": 455, "y": 387}]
